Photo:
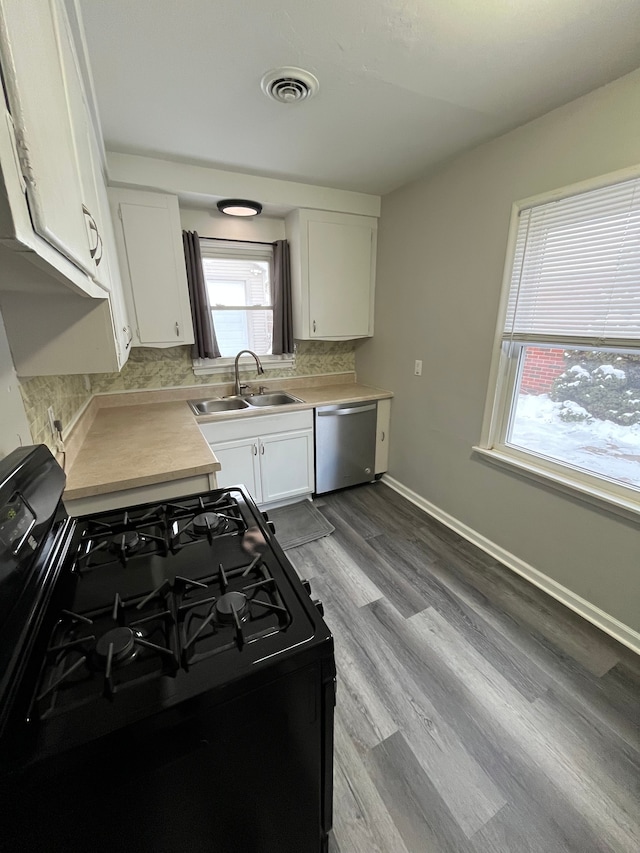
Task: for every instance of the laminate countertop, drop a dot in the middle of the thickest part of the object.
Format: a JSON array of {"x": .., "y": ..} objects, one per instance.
[{"x": 132, "y": 443}]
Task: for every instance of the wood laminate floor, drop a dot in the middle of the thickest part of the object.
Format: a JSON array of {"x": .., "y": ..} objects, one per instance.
[{"x": 475, "y": 714}]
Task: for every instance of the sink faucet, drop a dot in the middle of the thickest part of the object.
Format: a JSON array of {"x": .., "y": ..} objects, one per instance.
[{"x": 237, "y": 367}]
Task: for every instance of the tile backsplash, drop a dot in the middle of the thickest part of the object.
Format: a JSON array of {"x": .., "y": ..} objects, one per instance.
[
  {"x": 67, "y": 395},
  {"x": 149, "y": 368}
]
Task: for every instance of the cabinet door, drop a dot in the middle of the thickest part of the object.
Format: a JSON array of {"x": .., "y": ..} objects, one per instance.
[
  {"x": 88, "y": 165},
  {"x": 286, "y": 465},
  {"x": 240, "y": 465},
  {"x": 123, "y": 334},
  {"x": 382, "y": 436},
  {"x": 35, "y": 87},
  {"x": 340, "y": 279},
  {"x": 152, "y": 262}
]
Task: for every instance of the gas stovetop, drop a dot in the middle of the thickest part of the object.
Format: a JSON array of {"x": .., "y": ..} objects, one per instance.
[{"x": 162, "y": 603}]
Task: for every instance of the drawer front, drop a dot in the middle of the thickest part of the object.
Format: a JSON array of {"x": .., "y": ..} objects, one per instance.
[{"x": 251, "y": 427}]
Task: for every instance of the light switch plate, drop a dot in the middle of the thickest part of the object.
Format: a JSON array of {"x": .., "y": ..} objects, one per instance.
[{"x": 417, "y": 370}]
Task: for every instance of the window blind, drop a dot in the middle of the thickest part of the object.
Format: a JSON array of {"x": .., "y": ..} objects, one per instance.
[
  {"x": 576, "y": 271},
  {"x": 235, "y": 249}
]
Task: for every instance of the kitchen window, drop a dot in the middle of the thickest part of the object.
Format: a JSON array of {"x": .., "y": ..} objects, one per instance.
[
  {"x": 238, "y": 277},
  {"x": 564, "y": 402}
]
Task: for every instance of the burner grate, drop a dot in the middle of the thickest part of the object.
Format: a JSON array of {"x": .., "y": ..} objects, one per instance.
[
  {"x": 121, "y": 537},
  {"x": 108, "y": 650},
  {"x": 226, "y": 612}
]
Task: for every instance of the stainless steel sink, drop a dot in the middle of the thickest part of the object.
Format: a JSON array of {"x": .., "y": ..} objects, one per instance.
[
  {"x": 277, "y": 398},
  {"x": 208, "y": 407}
]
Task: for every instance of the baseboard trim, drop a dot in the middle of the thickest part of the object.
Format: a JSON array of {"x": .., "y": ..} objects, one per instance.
[{"x": 610, "y": 625}]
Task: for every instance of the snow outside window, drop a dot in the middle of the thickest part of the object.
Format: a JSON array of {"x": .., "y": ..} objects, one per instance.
[{"x": 566, "y": 401}]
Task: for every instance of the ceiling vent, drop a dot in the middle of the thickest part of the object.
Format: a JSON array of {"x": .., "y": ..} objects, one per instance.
[{"x": 288, "y": 85}]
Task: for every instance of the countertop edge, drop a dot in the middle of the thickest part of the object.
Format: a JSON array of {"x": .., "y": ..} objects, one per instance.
[
  {"x": 316, "y": 395},
  {"x": 136, "y": 482}
]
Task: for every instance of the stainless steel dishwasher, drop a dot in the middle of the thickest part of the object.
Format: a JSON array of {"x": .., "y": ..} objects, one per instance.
[{"x": 345, "y": 445}]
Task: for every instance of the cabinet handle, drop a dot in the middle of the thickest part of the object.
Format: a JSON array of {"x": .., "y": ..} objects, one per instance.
[
  {"x": 314, "y": 325},
  {"x": 255, "y": 450},
  {"x": 262, "y": 448},
  {"x": 178, "y": 330},
  {"x": 92, "y": 228},
  {"x": 382, "y": 439},
  {"x": 100, "y": 246},
  {"x": 127, "y": 330}
]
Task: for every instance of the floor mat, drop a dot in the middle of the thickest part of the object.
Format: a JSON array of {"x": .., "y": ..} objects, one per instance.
[{"x": 299, "y": 523}]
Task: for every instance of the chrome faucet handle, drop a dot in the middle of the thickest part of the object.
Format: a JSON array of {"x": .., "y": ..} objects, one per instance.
[{"x": 242, "y": 388}]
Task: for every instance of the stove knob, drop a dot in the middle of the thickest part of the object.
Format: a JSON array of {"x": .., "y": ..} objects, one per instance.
[
  {"x": 319, "y": 605},
  {"x": 306, "y": 585},
  {"x": 270, "y": 525}
]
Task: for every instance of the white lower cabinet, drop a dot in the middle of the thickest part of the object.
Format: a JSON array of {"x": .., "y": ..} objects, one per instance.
[
  {"x": 240, "y": 464},
  {"x": 272, "y": 455},
  {"x": 383, "y": 423}
]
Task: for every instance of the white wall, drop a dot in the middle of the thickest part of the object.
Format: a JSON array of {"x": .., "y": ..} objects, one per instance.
[
  {"x": 211, "y": 223},
  {"x": 441, "y": 252}
]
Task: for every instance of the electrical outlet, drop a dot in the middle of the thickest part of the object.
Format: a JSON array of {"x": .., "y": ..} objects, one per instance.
[
  {"x": 52, "y": 418},
  {"x": 417, "y": 370}
]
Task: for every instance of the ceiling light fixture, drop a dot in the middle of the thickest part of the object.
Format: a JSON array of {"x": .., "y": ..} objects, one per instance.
[{"x": 239, "y": 207}]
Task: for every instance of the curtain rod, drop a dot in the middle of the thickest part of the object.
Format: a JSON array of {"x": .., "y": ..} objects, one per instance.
[{"x": 235, "y": 240}]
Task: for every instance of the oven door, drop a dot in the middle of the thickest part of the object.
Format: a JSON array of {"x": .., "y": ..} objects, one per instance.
[{"x": 248, "y": 775}]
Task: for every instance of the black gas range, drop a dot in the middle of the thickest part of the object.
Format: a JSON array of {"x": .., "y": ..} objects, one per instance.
[{"x": 166, "y": 682}]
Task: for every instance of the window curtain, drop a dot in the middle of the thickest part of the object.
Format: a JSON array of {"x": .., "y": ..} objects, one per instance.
[
  {"x": 205, "y": 344},
  {"x": 282, "y": 310}
]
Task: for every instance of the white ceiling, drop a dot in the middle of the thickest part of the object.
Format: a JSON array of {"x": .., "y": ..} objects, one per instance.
[{"x": 404, "y": 84}]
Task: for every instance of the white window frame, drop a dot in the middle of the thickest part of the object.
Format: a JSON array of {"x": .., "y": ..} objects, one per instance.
[
  {"x": 247, "y": 250},
  {"x": 598, "y": 490}
]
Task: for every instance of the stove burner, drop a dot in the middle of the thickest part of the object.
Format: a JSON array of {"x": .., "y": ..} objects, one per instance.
[
  {"x": 123, "y": 640},
  {"x": 232, "y": 603},
  {"x": 127, "y": 543},
  {"x": 209, "y": 522}
]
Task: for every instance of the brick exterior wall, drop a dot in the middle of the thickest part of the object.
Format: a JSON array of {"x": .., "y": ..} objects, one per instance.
[{"x": 541, "y": 367}]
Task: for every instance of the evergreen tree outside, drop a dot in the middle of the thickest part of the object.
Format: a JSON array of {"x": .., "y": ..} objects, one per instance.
[{"x": 599, "y": 385}]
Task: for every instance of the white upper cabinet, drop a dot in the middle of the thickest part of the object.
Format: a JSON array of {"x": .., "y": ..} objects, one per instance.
[
  {"x": 149, "y": 242},
  {"x": 333, "y": 258},
  {"x": 55, "y": 225},
  {"x": 88, "y": 161},
  {"x": 39, "y": 157}
]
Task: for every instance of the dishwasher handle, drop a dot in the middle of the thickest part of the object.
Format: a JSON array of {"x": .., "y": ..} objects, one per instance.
[{"x": 355, "y": 410}]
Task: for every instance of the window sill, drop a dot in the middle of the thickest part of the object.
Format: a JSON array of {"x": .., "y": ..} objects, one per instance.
[
  {"x": 593, "y": 494},
  {"x": 204, "y": 366}
]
